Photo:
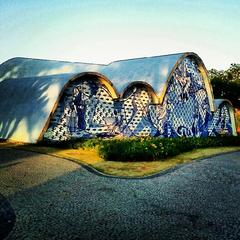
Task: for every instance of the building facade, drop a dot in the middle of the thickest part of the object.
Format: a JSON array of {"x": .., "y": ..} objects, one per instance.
[{"x": 162, "y": 96}]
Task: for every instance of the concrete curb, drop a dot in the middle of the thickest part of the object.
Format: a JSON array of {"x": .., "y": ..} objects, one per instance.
[{"x": 101, "y": 174}]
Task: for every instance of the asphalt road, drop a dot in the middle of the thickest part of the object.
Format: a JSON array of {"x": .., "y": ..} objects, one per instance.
[{"x": 54, "y": 198}]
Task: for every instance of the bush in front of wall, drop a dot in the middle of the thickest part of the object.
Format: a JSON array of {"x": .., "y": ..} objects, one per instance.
[{"x": 150, "y": 149}]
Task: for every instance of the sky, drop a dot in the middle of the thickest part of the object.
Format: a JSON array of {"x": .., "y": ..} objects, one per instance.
[{"x": 102, "y": 31}]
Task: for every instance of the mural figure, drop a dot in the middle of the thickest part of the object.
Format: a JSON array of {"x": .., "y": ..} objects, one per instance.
[
  {"x": 73, "y": 119},
  {"x": 117, "y": 119},
  {"x": 80, "y": 108}
]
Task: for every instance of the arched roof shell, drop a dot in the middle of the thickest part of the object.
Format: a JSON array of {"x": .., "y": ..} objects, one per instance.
[{"x": 30, "y": 88}]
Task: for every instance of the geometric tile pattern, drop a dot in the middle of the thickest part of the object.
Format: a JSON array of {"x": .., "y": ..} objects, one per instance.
[
  {"x": 220, "y": 123},
  {"x": 87, "y": 109},
  {"x": 187, "y": 106}
]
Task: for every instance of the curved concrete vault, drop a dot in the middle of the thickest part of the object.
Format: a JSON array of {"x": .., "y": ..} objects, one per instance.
[{"x": 166, "y": 96}]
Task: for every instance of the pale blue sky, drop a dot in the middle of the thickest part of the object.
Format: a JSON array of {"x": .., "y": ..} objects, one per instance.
[{"x": 102, "y": 31}]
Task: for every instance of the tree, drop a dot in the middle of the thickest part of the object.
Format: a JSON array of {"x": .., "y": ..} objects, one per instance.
[{"x": 226, "y": 84}]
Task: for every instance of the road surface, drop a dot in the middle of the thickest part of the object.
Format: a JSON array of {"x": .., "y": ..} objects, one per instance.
[{"x": 54, "y": 198}]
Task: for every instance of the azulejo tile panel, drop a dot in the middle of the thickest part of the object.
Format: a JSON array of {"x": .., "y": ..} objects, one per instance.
[{"x": 87, "y": 109}]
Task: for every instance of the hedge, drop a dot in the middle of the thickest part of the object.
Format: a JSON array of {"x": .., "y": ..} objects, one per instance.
[
  {"x": 146, "y": 149},
  {"x": 151, "y": 149}
]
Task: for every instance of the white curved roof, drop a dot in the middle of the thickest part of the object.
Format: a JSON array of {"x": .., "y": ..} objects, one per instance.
[
  {"x": 152, "y": 70},
  {"x": 30, "y": 88},
  {"x": 26, "y": 104}
]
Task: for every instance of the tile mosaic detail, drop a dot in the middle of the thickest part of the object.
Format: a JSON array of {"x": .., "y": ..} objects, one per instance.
[
  {"x": 87, "y": 109},
  {"x": 221, "y": 121}
]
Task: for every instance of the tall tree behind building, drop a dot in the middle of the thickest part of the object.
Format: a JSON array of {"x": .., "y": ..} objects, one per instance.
[{"x": 226, "y": 84}]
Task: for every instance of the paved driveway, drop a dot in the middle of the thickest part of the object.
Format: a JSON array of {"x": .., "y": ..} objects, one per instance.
[{"x": 200, "y": 200}]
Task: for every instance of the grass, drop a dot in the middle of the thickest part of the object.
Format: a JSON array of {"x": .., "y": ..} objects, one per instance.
[
  {"x": 89, "y": 156},
  {"x": 139, "y": 169}
]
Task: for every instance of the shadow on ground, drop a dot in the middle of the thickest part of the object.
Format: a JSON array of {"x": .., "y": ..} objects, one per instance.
[
  {"x": 197, "y": 201},
  {"x": 7, "y": 217}
]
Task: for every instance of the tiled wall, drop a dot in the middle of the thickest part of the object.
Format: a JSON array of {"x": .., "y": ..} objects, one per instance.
[
  {"x": 87, "y": 109},
  {"x": 221, "y": 121}
]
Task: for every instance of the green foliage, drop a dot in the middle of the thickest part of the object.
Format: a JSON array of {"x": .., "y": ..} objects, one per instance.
[
  {"x": 226, "y": 84},
  {"x": 145, "y": 149},
  {"x": 150, "y": 149}
]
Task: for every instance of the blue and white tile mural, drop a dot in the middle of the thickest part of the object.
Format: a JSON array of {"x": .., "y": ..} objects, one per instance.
[
  {"x": 221, "y": 121},
  {"x": 87, "y": 109}
]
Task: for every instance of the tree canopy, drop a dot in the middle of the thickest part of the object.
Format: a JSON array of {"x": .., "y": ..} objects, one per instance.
[{"x": 226, "y": 84}]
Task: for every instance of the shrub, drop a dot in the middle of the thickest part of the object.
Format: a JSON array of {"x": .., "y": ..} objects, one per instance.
[
  {"x": 146, "y": 149},
  {"x": 149, "y": 149}
]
